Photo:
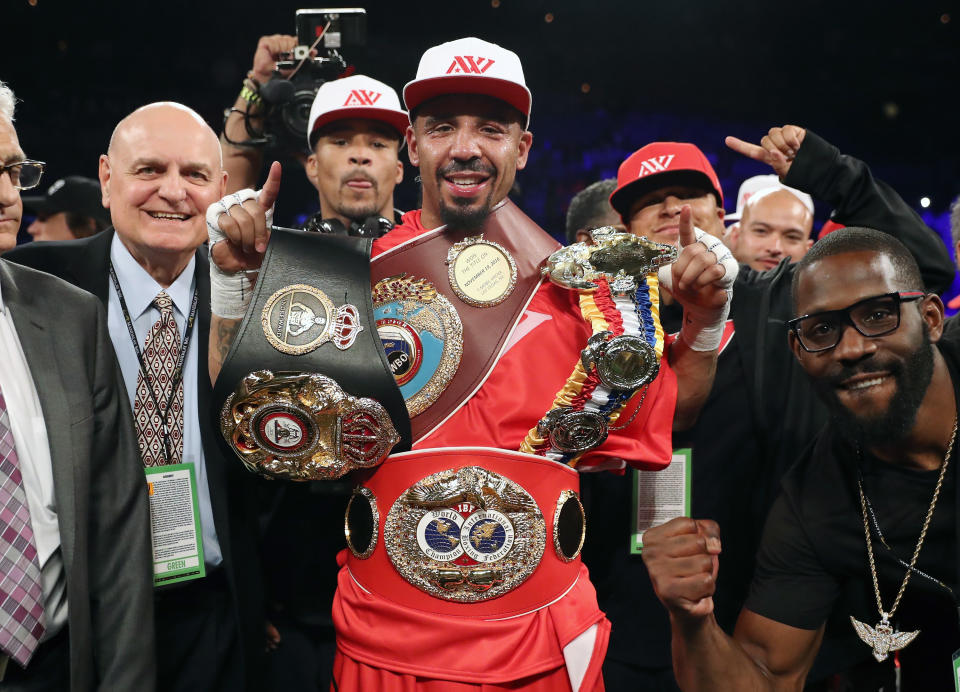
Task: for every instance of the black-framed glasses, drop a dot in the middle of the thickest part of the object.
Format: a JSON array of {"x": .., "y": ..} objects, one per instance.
[
  {"x": 875, "y": 316},
  {"x": 23, "y": 174}
]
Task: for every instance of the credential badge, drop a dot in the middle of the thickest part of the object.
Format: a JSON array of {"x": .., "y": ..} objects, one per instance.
[{"x": 299, "y": 318}]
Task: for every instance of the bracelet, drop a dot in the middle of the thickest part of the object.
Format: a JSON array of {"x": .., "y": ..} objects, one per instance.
[{"x": 249, "y": 92}]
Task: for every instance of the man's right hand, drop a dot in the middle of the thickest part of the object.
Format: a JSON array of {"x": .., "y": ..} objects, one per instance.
[
  {"x": 244, "y": 225},
  {"x": 777, "y": 149},
  {"x": 681, "y": 558},
  {"x": 268, "y": 52}
]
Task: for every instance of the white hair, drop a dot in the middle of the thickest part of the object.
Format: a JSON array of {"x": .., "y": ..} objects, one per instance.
[{"x": 7, "y": 101}]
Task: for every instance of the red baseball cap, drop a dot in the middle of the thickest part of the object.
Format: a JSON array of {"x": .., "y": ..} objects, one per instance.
[{"x": 661, "y": 164}]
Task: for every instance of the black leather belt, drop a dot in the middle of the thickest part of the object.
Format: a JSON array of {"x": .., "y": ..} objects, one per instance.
[{"x": 306, "y": 390}]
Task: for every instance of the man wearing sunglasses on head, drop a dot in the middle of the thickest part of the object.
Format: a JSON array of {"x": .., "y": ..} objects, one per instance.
[{"x": 865, "y": 528}]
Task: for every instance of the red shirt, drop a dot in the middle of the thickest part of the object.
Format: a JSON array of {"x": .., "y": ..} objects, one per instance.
[{"x": 537, "y": 360}]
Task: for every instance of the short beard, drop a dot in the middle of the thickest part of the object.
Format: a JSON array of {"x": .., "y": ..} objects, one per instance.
[
  {"x": 462, "y": 218},
  {"x": 894, "y": 424}
]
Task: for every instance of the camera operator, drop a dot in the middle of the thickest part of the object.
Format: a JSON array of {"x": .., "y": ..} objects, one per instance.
[{"x": 355, "y": 131}]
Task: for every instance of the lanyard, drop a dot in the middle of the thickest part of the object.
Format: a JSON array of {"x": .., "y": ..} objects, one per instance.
[{"x": 178, "y": 369}]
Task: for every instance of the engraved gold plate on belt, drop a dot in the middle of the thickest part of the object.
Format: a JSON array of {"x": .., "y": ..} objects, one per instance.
[
  {"x": 465, "y": 534},
  {"x": 303, "y": 426}
]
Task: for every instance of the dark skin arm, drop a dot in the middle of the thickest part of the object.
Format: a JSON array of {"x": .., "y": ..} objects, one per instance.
[
  {"x": 763, "y": 655},
  {"x": 243, "y": 163}
]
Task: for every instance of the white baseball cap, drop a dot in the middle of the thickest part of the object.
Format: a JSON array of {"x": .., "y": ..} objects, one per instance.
[
  {"x": 469, "y": 66},
  {"x": 765, "y": 183},
  {"x": 357, "y": 96}
]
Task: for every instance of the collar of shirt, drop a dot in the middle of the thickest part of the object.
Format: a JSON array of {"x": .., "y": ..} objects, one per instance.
[
  {"x": 139, "y": 288},
  {"x": 2, "y": 308}
]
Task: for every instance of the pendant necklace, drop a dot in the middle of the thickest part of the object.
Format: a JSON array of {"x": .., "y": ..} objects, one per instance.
[{"x": 883, "y": 638}]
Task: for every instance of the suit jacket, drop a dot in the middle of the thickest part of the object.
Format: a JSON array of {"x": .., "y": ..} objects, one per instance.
[
  {"x": 84, "y": 263},
  {"x": 98, "y": 483}
]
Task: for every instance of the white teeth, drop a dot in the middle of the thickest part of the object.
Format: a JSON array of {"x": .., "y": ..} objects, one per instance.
[
  {"x": 164, "y": 215},
  {"x": 461, "y": 181},
  {"x": 866, "y": 383}
]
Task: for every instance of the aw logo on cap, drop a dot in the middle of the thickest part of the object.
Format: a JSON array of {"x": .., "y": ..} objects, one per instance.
[
  {"x": 361, "y": 97},
  {"x": 468, "y": 64},
  {"x": 655, "y": 165}
]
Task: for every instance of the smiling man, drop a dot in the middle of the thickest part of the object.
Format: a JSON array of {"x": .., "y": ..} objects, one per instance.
[
  {"x": 865, "y": 528},
  {"x": 161, "y": 171},
  {"x": 479, "y": 622}
]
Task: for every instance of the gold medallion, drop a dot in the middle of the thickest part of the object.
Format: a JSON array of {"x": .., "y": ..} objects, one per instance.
[
  {"x": 482, "y": 273},
  {"x": 465, "y": 535},
  {"x": 299, "y": 318}
]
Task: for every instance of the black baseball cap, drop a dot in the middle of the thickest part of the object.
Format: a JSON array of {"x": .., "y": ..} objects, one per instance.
[{"x": 71, "y": 194}]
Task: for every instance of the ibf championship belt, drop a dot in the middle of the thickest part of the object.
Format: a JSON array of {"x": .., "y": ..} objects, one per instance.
[
  {"x": 466, "y": 531},
  {"x": 306, "y": 390},
  {"x": 446, "y": 302}
]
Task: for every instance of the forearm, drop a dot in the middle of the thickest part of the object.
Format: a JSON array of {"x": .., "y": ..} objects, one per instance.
[
  {"x": 242, "y": 163},
  {"x": 705, "y": 658},
  {"x": 859, "y": 199},
  {"x": 695, "y": 371},
  {"x": 223, "y": 332}
]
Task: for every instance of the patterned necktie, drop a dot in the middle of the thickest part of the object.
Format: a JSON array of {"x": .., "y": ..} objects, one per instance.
[
  {"x": 21, "y": 596},
  {"x": 160, "y": 353}
]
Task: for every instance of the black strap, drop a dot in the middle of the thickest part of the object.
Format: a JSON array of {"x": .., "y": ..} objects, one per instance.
[
  {"x": 178, "y": 369},
  {"x": 340, "y": 267}
]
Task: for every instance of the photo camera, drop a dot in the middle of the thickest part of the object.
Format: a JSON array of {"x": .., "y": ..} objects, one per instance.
[{"x": 288, "y": 95}]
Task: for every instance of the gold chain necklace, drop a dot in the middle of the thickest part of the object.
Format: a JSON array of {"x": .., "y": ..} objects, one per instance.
[{"x": 883, "y": 638}]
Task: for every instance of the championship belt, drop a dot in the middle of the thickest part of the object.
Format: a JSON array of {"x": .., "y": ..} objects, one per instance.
[
  {"x": 616, "y": 277},
  {"x": 466, "y": 531},
  {"x": 306, "y": 389},
  {"x": 446, "y": 302}
]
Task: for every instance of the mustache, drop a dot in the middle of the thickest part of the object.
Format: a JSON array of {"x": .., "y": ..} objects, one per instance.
[
  {"x": 869, "y": 365},
  {"x": 471, "y": 166},
  {"x": 356, "y": 174}
]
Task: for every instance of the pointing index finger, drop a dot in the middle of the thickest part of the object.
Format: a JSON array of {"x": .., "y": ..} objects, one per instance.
[
  {"x": 687, "y": 236},
  {"x": 753, "y": 151},
  {"x": 271, "y": 188}
]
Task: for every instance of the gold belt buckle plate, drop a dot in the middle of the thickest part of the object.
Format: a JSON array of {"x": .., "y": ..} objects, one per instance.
[{"x": 465, "y": 534}]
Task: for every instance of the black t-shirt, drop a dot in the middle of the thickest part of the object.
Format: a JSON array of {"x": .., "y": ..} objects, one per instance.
[
  {"x": 812, "y": 565},
  {"x": 725, "y": 460}
]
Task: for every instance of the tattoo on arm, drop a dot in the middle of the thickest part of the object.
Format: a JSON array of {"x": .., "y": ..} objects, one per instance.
[{"x": 224, "y": 332}]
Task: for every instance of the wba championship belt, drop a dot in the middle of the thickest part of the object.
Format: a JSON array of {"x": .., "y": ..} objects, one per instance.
[
  {"x": 446, "y": 302},
  {"x": 468, "y": 531},
  {"x": 306, "y": 390}
]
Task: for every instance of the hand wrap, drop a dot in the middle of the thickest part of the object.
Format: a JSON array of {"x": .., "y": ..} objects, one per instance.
[{"x": 702, "y": 328}]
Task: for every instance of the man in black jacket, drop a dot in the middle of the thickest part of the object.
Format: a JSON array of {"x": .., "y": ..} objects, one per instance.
[
  {"x": 162, "y": 170},
  {"x": 761, "y": 413}
]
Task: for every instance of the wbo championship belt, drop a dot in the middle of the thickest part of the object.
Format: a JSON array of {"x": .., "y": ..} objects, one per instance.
[
  {"x": 306, "y": 390},
  {"x": 446, "y": 302}
]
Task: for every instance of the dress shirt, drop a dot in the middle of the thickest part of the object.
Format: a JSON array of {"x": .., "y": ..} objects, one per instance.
[
  {"x": 33, "y": 453},
  {"x": 139, "y": 290}
]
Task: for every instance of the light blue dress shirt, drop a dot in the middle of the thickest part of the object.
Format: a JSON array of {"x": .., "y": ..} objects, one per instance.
[{"x": 139, "y": 290}]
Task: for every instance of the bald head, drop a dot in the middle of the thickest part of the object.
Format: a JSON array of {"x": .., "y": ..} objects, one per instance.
[
  {"x": 162, "y": 170},
  {"x": 164, "y": 115},
  {"x": 775, "y": 224}
]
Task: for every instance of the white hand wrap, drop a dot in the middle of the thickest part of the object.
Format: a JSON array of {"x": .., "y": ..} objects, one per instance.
[
  {"x": 702, "y": 328},
  {"x": 229, "y": 293}
]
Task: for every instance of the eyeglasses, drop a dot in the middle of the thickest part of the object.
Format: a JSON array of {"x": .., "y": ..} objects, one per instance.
[
  {"x": 876, "y": 316},
  {"x": 24, "y": 174}
]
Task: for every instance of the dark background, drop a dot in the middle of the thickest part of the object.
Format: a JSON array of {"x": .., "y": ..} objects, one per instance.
[{"x": 879, "y": 79}]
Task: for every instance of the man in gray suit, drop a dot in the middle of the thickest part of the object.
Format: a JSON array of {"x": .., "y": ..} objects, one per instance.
[{"x": 75, "y": 580}]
